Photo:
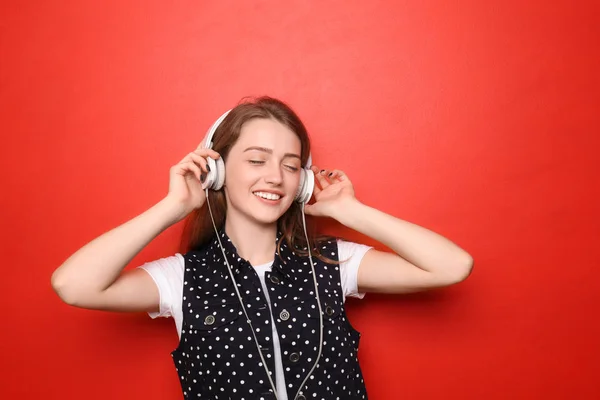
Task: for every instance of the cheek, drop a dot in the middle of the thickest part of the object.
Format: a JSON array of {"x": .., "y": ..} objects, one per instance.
[
  {"x": 236, "y": 176},
  {"x": 295, "y": 181}
]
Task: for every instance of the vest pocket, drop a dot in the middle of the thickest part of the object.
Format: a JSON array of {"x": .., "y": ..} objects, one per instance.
[
  {"x": 332, "y": 309},
  {"x": 215, "y": 317}
]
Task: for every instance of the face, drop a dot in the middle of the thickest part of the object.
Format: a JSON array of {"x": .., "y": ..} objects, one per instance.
[{"x": 262, "y": 171}]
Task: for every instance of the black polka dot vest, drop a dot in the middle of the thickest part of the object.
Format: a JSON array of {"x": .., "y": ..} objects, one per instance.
[{"x": 217, "y": 357}]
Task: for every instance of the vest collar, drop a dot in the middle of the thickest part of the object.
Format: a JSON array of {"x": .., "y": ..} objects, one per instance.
[{"x": 238, "y": 263}]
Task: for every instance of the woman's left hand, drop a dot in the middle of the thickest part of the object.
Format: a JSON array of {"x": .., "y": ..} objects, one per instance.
[{"x": 333, "y": 192}]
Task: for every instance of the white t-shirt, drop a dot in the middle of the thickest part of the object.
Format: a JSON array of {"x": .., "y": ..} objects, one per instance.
[{"x": 167, "y": 273}]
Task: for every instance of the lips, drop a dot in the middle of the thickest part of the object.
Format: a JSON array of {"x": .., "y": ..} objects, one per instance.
[{"x": 267, "y": 195}]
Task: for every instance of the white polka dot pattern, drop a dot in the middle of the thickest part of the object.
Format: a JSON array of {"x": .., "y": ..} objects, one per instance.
[{"x": 217, "y": 357}]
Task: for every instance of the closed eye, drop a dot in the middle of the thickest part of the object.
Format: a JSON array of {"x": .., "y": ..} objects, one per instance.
[{"x": 260, "y": 162}]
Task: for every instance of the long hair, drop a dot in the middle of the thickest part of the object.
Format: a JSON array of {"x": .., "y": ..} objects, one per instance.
[{"x": 199, "y": 230}]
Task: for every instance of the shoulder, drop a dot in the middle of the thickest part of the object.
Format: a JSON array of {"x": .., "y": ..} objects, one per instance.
[
  {"x": 341, "y": 249},
  {"x": 173, "y": 260},
  {"x": 171, "y": 265},
  {"x": 348, "y": 249}
]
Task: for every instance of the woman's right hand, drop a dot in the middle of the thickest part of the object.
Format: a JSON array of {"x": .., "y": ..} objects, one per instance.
[
  {"x": 93, "y": 276},
  {"x": 185, "y": 180}
]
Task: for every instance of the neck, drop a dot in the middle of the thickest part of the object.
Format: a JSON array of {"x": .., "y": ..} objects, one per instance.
[{"x": 253, "y": 242}]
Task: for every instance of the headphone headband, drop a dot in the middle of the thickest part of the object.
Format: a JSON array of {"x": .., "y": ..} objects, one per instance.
[{"x": 211, "y": 132}]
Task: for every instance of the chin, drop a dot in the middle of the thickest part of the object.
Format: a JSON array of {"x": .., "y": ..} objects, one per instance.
[
  {"x": 265, "y": 214},
  {"x": 266, "y": 217}
]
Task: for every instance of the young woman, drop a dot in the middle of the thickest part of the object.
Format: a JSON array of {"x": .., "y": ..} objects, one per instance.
[{"x": 260, "y": 314}]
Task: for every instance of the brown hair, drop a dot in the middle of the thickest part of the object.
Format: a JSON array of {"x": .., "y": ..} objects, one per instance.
[{"x": 199, "y": 230}]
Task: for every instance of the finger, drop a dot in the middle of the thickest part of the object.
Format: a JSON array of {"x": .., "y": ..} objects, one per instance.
[
  {"x": 183, "y": 169},
  {"x": 338, "y": 174},
  {"x": 187, "y": 168},
  {"x": 316, "y": 190},
  {"x": 321, "y": 177},
  {"x": 195, "y": 170},
  {"x": 315, "y": 171},
  {"x": 308, "y": 209},
  {"x": 198, "y": 159},
  {"x": 201, "y": 149},
  {"x": 207, "y": 152}
]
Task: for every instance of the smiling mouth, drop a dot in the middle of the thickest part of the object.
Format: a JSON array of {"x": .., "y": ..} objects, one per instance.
[{"x": 267, "y": 196}]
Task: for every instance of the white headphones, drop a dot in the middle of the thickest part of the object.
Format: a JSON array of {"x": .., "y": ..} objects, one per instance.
[{"x": 216, "y": 176}]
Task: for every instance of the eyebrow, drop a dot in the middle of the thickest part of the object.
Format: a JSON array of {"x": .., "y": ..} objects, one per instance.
[{"x": 266, "y": 150}]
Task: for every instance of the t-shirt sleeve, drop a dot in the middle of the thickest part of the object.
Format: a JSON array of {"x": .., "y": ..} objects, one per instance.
[
  {"x": 350, "y": 254},
  {"x": 167, "y": 273}
]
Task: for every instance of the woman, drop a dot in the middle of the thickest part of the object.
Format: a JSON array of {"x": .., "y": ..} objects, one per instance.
[{"x": 251, "y": 322}]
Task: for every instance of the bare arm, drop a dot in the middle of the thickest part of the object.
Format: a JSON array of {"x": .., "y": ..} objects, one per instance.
[
  {"x": 93, "y": 276},
  {"x": 88, "y": 278},
  {"x": 421, "y": 258}
]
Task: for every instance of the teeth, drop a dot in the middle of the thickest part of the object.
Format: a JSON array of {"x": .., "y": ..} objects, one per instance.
[{"x": 268, "y": 196}]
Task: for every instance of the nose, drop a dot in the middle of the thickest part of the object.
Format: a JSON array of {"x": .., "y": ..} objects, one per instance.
[{"x": 274, "y": 174}]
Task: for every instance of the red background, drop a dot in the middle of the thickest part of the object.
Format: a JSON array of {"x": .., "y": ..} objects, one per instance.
[{"x": 478, "y": 120}]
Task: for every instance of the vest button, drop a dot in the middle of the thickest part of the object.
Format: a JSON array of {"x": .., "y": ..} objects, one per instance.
[
  {"x": 284, "y": 315},
  {"x": 300, "y": 397},
  {"x": 329, "y": 311},
  {"x": 294, "y": 357},
  {"x": 274, "y": 279},
  {"x": 209, "y": 320}
]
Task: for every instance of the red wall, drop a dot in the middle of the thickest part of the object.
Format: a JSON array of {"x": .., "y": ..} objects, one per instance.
[{"x": 476, "y": 119}]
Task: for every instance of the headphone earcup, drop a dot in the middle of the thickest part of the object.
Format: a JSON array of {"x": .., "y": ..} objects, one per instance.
[
  {"x": 216, "y": 177},
  {"x": 306, "y": 186}
]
